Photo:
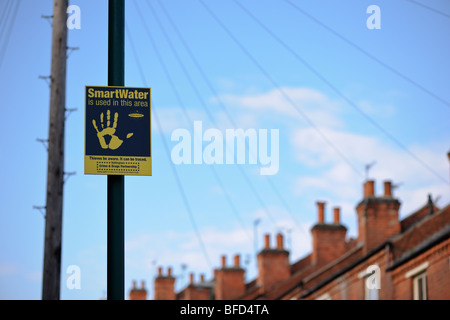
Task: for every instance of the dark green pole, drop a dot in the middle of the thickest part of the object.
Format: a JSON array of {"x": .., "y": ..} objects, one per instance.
[{"x": 116, "y": 184}]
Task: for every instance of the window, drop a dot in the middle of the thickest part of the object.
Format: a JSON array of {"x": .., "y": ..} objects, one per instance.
[
  {"x": 371, "y": 291},
  {"x": 419, "y": 281},
  {"x": 420, "y": 286},
  {"x": 371, "y": 277}
]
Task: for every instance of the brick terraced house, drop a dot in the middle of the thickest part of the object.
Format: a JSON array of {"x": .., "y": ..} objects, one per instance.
[{"x": 391, "y": 259}]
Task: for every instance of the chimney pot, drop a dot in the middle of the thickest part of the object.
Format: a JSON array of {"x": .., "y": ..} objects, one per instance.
[
  {"x": 191, "y": 278},
  {"x": 169, "y": 271},
  {"x": 134, "y": 284},
  {"x": 224, "y": 261},
  {"x": 142, "y": 284},
  {"x": 267, "y": 241},
  {"x": 320, "y": 211},
  {"x": 236, "y": 261},
  {"x": 279, "y": 241},
  {"x": 337, "y": 214},
  {"x": 388, "y": 189},
  {"x": 202, "y": 278},
  {"x": 159, "y": 271},
  {"x": 369, "y": 188}
]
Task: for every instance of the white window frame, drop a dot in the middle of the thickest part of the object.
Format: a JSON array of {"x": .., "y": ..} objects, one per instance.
[
  {"x": 416, "y": 285},
  {"x": 417, "y": 273}
]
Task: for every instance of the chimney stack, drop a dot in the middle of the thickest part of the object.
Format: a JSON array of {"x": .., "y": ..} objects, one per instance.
[
  {"x": 230, "y": 282},
  {"x": 377, "y": 216},
  {"x": 273, "y": 264},
  {"x": 164, "y": 286},
  {"x": 328, "y": 238},
  {"x": 138, "y": 293},
  {"x": 195, "y": 291}
]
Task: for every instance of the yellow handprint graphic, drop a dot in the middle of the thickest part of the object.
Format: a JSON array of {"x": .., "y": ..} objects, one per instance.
[{"x": 115, "y": 142}]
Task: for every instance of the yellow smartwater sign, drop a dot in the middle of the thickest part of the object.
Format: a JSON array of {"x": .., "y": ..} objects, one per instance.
[{"x": 117, "y": 131}]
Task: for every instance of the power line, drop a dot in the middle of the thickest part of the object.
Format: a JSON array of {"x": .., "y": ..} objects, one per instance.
[
  {"x": 2, "y": 18},
  {"x": 337, "y": 91},
  {"x": 221, "y": 104},
  {"x": 8, "y": 33},
  {"x": 286, "y": 96},
  {"x": 230, "y": 202},
  {"x": 166, "y": 148},
  {"x": 198, "y": 66},
  {"x": 5, "y": 15},
  {"x": 211, "y": 118},
  {"x": 368, "y": 54},
  {"x": 181, "y": 189},
  {"x": 183, "y": 68},
  {"x": 429, "y": 8}
]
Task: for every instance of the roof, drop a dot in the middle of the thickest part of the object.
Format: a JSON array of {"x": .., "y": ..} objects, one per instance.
[
  {"x": 429, "y": 231},
  {"x": 420, "y": 231}
]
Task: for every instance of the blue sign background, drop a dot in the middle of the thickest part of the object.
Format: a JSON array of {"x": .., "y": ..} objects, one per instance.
[{"x": 139, "y": 144}]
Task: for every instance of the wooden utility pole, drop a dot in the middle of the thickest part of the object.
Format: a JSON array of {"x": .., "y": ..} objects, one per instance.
[{"x": 55, "y": 168}]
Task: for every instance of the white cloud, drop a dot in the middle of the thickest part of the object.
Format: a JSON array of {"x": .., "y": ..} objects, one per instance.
[
  {"x": 313, "y": 150},
  {"x": 172, "y": 118},
  {"x": 339, "y": 181},
  {"x": 385, "y": 110},
  {"x": 138, "y": 243},
  {"x": 287, "y": 101}
]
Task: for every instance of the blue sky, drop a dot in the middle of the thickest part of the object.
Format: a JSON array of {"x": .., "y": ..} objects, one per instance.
[{"x": 405, "y": 118}]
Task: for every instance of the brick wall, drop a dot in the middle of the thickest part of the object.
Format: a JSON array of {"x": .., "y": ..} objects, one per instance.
[
  {"x": 164, "y": 286},
  {"x": 230, "y": 281},
  {"x": 351, "y": 285},
  {"x": 377, "y": 216},
  {"x": 437, "y": 270},
  {"x": 138, "y": 293},
  {"x": 273, "y": 264}
]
